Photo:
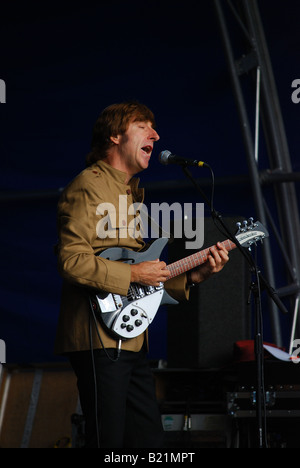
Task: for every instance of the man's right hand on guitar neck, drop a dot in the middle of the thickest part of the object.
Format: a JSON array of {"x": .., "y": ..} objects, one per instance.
[{"x": 150, "y": 273}]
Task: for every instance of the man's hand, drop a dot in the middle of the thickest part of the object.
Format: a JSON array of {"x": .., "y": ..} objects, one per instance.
[
  {"x": 149, "y": 273},
  {"x": 216, "y": 261}
]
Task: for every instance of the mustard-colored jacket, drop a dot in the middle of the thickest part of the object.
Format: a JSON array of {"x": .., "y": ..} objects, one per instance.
[{"x": 80, "y": 220}]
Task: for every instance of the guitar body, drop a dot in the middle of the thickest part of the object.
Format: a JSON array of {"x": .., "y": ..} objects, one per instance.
[{"x": 128, "y": 316}]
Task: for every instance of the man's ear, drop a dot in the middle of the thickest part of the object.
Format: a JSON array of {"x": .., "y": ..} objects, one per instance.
[{"x": 115, "y": 139}]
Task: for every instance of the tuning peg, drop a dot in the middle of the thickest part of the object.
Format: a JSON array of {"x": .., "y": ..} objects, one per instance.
[
  {"x": 244, "y": 226},
  {"x": 238, "y": 225},
  {"x": 251, "y": 243}
]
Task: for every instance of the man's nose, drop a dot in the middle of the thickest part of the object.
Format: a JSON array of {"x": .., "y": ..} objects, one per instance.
[{"x": 154, "y": 135}]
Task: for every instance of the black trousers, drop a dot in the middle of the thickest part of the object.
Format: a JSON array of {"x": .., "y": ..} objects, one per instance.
[{"x": 123, "y": 397}]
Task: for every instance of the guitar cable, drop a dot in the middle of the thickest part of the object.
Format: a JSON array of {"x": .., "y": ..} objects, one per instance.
[
  {"x": 93, "y": 362},
  {"x": 99, "y": 336},
  {"x": 95, "y": 384}
]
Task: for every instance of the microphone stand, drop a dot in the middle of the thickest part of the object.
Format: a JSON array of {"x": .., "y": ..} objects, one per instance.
[{"x": 256, "y": 286}]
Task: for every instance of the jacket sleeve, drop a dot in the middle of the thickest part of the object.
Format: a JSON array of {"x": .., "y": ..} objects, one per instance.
[
  {"x": 77, "y": 259},
  {"x": 178, "y": 288}
]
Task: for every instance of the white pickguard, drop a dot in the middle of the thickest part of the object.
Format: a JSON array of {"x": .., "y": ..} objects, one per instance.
[{"x": 146, "y": 308}]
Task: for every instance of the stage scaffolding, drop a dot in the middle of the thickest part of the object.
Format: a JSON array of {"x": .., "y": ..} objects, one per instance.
[
  {"x": 248, "y": 60},
  {"x": 252, "y": 62}
]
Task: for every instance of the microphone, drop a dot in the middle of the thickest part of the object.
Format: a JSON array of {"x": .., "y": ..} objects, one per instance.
[{"x": 166, "y": 157}]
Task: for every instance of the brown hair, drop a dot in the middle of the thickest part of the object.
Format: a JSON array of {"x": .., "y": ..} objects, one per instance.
[{"x": 113, "y": 121}]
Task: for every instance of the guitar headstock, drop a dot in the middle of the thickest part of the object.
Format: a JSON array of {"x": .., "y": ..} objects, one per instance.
[{"x": 250, "y": 232}]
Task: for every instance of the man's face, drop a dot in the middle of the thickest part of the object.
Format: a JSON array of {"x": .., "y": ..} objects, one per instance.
[{"x": 135, "y": 146}]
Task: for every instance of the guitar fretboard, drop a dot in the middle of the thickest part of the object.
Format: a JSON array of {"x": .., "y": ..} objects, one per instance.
[{"x": 194, "y": 260}]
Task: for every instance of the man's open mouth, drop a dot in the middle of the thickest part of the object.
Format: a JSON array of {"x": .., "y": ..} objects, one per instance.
[{"x": 147, "y": 149}]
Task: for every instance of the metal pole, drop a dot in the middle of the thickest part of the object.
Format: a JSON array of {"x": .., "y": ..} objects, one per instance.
[
  {"x": 279, "y": 156},
  {"x": 253, "y": 170}
]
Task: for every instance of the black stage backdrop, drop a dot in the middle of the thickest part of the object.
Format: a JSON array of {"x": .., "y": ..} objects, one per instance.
[{"x": 62, "y": 64}]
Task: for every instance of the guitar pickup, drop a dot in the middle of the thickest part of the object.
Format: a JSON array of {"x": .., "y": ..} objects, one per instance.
[{"x": 110, "y": 303}]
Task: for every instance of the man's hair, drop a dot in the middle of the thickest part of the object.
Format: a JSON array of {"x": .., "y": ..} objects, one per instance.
[{"x": 113, "y": 121}]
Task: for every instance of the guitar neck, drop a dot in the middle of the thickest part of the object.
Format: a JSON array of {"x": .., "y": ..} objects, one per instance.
[{"x": 194, "y": 260}]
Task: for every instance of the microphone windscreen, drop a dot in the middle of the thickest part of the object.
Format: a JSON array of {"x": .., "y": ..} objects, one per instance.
[{"x": 164, "y": 157}]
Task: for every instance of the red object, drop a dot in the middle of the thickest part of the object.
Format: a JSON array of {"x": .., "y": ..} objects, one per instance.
[{"x": 244, "y": 350}]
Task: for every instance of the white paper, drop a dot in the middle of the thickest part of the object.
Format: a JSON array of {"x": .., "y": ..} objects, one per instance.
[{"x": 281, "y": 355}]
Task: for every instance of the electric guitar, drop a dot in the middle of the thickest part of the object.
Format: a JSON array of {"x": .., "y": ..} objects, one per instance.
[{"x": 128, "y": 316}]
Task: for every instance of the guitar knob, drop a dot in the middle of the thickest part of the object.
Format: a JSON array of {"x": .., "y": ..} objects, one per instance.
[
  {"x": 126, "y": 318},
  {"x": 129, "y": 328},
  {"x": 123, "y": 325},
  {"x": 134, "y": 312},
  {"x": 138, "y": 323}
]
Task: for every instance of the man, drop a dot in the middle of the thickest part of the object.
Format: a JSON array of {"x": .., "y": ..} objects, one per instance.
[{"x": 116, "y": 390}]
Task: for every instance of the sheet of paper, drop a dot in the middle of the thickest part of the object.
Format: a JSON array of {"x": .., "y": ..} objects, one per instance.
[{"x": 281, "y": 355}]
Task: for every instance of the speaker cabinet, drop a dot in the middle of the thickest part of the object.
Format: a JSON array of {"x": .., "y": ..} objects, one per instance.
[{"x": 203, "y": 330}]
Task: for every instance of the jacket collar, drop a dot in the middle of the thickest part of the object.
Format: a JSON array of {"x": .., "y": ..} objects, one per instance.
[{"x": 120, "y": 177}]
